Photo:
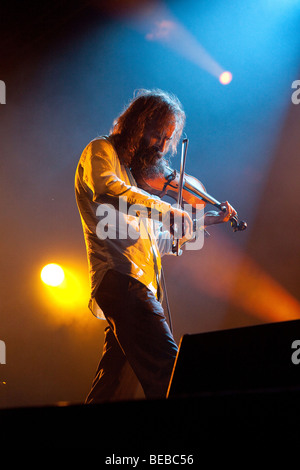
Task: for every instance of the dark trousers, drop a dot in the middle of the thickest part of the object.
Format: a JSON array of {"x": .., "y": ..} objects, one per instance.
[{"x": 138, "y": 342}]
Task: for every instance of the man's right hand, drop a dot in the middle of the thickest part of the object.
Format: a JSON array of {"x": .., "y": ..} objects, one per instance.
[{"x": 179, "y": 223}]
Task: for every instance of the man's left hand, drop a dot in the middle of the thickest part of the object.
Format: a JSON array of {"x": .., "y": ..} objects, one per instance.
[{"x": 218, "y": 217}]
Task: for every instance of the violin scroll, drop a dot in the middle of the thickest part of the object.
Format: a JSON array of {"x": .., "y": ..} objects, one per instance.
[{"x": 236, "y": 225}]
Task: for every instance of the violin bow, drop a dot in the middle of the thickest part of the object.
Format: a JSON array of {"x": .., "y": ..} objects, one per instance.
[{"x": 184, "y": 148}]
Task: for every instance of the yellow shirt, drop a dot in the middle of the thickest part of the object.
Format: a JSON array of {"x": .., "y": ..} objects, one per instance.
[{"x": 103, "y": 186}]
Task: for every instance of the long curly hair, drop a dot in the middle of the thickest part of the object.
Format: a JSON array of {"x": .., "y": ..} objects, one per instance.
[{"x": 149, "y": 108}]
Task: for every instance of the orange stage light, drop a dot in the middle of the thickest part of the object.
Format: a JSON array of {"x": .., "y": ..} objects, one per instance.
[
  {"x": 52, "y": 275},
  {"x": 231, "y": 275},
  {"x": 65, "y": 292}
]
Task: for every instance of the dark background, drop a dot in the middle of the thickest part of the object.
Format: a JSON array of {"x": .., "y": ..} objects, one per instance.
[{"x": 69, "y": 68}]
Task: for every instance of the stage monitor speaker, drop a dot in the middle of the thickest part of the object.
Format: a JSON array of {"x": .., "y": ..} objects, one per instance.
[{"x": 256, "y": 357}]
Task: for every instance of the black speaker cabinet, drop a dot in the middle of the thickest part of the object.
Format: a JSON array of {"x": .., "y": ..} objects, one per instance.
[{"x": 260, "y": 357}]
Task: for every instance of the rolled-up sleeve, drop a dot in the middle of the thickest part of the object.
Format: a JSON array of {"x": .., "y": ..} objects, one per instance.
[{"x": 164, "y": 242}]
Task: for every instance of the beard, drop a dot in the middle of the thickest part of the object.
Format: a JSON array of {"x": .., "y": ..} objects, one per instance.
[{"x": 147, "y": 162}]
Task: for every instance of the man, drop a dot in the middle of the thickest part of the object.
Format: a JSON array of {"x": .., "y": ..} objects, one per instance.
[{"x": 125, "y": 270}]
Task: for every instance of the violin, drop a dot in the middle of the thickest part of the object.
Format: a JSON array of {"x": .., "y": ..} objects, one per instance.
[{"x": 193, "y": 191}]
